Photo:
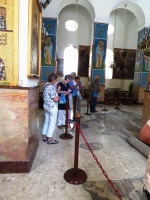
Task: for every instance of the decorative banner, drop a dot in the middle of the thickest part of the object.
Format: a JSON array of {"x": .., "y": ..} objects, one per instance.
[
  {"x": 100, "y": 31},
  {"x": 48, "y": 45},
  {"x": 83, "y": 65},
  {"x": 139, "y": 63},
  {"x": 140, "y": 36},
  {"x": 125, "y": 63},
  {"x": 48, "y": 51},
  {"x": 137, "y": 78},
  {"x": 45, "y": 71},
  {"x": 49, "y": 26},
  {"x": 100, "y": 73},
  {"x": 144, "y": 78},
  {"x": 99, "y": 53}
]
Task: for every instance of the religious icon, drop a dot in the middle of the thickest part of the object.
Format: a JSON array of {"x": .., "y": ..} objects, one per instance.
[{"x": 99, "y": 54}]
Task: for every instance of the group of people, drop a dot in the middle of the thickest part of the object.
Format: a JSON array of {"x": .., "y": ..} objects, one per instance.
[{"x": 55, "y": 110}]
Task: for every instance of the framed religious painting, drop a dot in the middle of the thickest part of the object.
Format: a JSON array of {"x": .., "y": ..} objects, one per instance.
[
  {"x": 125, "y": 63},
  {"x": 9, "y": 14},
  {"x": 83, "y": 63},
  {"x": 34, "y": 42}
]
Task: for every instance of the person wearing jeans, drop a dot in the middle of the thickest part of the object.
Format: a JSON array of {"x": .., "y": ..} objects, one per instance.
[
  {"x": 51, "y": 99},
  {"x": 94, "y": 87}
]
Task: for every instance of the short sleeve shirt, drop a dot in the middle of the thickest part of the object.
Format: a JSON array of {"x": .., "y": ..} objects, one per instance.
[
  {"x": 49, "y": 94},
  {"x": 95, "y": 86}
]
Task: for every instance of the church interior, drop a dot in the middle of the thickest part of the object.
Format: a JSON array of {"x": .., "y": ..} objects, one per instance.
[{"x": 108, "y": 153}]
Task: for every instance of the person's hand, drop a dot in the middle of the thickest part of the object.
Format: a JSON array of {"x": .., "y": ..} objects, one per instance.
[
  {"x": 66, "y": 92},
  {"x": 56, "y": 99}
]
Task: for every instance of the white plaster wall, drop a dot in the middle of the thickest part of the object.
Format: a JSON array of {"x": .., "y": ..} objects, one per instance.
[
  {"x": 125, "y": 37},
  {"x": 83, "y": 34}
]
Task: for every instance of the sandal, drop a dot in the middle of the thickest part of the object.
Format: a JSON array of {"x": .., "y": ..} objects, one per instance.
[
  {"x": 52, "y": 141},
  {"x": 45, "y": 139}
]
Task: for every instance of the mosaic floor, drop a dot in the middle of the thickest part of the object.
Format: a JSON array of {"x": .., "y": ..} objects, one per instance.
[{"x": 106, "y": 133}]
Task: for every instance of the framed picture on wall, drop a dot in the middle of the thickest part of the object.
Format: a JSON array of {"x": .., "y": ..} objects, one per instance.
[
  {"x": 83, "y": 64},
  {"x": 9, "y": 42},
  {"x": 125, "y": 63},
  {"x": 45, "y": 71},
  {"x": 34, "y": 42}
]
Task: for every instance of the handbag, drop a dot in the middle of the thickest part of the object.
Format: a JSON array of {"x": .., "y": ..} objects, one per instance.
[
  {"x": 95, "y": 94},
  {"x": 41, "y": 101},
  {"x": 62, "y": 99}
]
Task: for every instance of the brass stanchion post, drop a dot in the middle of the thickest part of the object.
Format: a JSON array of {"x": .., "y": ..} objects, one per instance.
[
  {"x": 75, "y": 175},
  {"x": 105, "y": 101},
  {"x": 66, "y": 135},
  {"x": 87, "y": 113}
]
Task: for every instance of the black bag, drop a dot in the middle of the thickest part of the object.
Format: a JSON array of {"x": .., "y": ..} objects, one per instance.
[{"x": 41, "y": 100}]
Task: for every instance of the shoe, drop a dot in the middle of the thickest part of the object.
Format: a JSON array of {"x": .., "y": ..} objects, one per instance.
[
  {"x": 63, "y": 125},
  {"x": 52, "y": 141},
  {"x": 95, "y": 111},
  {"x": 60, "y": 127},
  {"x": 71, "y": 121},
  {"x": 45, "y": 139}
]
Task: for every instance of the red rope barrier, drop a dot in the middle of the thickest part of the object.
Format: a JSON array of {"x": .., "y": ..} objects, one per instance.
[{"x": 100, "y": 166}]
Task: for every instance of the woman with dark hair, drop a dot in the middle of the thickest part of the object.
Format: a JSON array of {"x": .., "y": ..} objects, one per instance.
[
  {"x": 63, "y": 88},
  {"x": 51, "y": 99}
]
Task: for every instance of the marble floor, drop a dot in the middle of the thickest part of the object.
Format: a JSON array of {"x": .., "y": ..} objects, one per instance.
[{"x": 106, "y": 133}]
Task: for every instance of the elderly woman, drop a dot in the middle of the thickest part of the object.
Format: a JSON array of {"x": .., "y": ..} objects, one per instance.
[{"x": 51, "y": 99}]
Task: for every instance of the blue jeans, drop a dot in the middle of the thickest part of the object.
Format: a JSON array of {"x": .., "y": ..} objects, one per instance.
[
  {"x": 50, "y": 121},
  {"x": 93, "y": 103}
]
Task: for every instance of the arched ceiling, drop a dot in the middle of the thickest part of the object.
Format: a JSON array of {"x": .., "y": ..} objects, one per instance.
[
  {"x": 91, "y": 5},
  {"x": 83, "y": 3},
  {"x": 135, "y": 9}
]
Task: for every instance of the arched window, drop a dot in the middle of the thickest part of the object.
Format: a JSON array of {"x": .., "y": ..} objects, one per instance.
[
  {"x": 70, "y": 60},
  {"x": 109, "y": 60}
]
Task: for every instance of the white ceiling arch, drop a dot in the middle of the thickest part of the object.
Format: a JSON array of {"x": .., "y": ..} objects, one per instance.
[
  {"x": 136, "y": 10},
  {"x": 86, "y": 4}
]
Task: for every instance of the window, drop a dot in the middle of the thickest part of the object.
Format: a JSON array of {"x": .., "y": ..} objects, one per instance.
[
  {"x": 71, "y": 25},
  {"x": 70, "y": 60}
]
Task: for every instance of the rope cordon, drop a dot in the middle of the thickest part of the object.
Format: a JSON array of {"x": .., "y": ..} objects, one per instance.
[{"x": 105, "y": 174}]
